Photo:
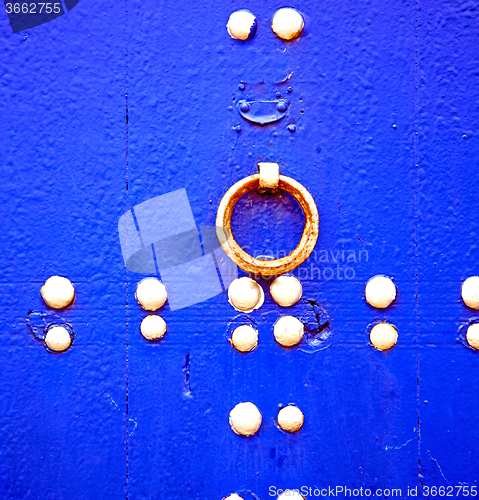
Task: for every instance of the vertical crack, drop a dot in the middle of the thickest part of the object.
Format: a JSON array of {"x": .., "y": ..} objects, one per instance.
[
  {"x": 186, "y": 375},
  {"x": 416, "y": 201},
  {"x": 127, "y": 411}
]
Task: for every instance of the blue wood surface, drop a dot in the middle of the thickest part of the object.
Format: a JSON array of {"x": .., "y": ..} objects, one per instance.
[{"x": 113, "y": 104}]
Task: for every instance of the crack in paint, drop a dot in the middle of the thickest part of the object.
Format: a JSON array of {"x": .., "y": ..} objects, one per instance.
[
  {"x": 438, "y": 466},
  {"x": 401, "y": 446},
  {"x": 317, "y": 327},
  {"x": 186, "y": 375},
  {"x": 112, "y": 401}
]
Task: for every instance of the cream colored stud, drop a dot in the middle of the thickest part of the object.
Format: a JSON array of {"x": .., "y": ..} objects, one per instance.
[
  {"x": 153, "y": 327},
  {"x": 470, "y": 292},
  {"x": 380, "y": 292},
  {"x": 286, "y": 290},
  {"x": 383, "y": 336},
  {"x": 58, "y": 339},
  {"x": 245, "y": 419},
  {"x": 287, "y": 23},
  {"x": 288, "y": 331},
  {"x": 242, "y": 25},
  {"x": 472, "y": 336},
  {"x": 58, "y": 292},
  {"x": 151, "y": 294},
  {"x": 290, "y": 418},
  {"x": 245, "y": 295},
  {"x": 244, "y": 338}
]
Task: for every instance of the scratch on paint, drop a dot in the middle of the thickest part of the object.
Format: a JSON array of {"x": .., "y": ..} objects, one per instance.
[
  {"x": 438, "y": 466},
  {"x": 402, "y": 445},
  {"x": 398, "y": 447},
  {"x": 112, "y": 401},
  {"x": 134, "y": 428}
]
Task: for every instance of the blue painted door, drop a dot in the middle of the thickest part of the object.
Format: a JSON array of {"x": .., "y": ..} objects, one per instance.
[{"x": 111, "y": 105}]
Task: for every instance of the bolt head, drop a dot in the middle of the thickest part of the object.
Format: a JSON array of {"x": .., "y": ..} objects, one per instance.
[
  {"x": 245, "y": 107},
  {"x": 281, "y": 106}
]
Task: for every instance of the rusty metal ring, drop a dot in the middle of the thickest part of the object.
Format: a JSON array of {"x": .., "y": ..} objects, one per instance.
[{"x": 267, "y": 267}]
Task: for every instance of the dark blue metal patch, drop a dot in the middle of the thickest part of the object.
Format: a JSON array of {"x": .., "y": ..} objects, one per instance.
[{"x": 263, "y": 112}]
